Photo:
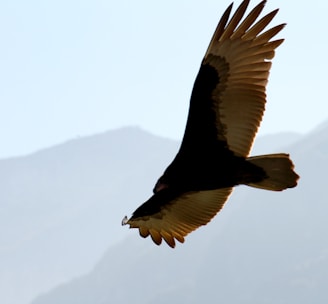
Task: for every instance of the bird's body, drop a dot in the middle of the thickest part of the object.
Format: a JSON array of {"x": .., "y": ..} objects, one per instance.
[{"x": 226, "y": 108}]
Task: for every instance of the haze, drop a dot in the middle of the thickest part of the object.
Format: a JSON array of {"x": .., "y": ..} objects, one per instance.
[
  {"x": 76, "y": 68},
  {"x": 71, "y": 74}
]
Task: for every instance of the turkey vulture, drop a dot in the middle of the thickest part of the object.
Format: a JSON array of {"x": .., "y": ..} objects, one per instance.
[{"x": 226, "y": 108}]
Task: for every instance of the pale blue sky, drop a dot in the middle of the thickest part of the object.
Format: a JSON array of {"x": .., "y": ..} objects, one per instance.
[{"x": 75, "y": 68}]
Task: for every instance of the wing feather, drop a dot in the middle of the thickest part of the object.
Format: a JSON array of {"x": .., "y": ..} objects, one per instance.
[
  {"x": 263, "y": 38},
  {"x": 234, "y": 20},
  {"x": 260, "y": 25},
  {"x": 245, "y": 53},
  {"x": 181, "y": 216},
  {"x": 248, "y": 21}
]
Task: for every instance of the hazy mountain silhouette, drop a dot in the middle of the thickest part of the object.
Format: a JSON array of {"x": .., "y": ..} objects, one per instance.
[
  {"x": 263, "y": 248},
  {"x": 61, "y": 209}
]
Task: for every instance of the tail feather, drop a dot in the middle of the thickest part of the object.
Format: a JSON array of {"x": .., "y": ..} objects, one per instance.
[{"x": 279, "y": 171}]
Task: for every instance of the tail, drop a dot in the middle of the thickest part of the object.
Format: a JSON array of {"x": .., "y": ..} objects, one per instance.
[{"x": 279, "y": 171}]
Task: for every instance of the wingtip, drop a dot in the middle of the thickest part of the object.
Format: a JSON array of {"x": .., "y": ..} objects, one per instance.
[
  {"x": 263, "y": 2},
  {"x": 158, "y": 236}
]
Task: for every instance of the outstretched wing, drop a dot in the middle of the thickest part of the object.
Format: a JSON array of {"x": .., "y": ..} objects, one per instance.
[
  {"x": 226, "y": 107},
  {"x": 180, "y": 216},
  {"x": 228, "y": 97}
]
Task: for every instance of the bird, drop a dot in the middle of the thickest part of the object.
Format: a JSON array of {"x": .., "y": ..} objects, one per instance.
[{"x": 225, "y": 111}]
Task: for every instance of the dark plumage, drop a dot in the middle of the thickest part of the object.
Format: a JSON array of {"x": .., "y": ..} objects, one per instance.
[{"x": 226, "y": 108}]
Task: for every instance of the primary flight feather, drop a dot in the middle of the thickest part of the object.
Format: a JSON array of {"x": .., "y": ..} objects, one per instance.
[{"x": 226, "y": 108}]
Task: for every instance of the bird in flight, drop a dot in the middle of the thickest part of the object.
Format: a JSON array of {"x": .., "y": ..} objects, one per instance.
[{"x": 226, "y": 108}]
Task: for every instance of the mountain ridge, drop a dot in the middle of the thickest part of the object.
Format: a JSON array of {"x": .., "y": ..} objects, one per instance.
[
  {"x": 264, "y": 251},
  {"x": 63, "y": 206}
]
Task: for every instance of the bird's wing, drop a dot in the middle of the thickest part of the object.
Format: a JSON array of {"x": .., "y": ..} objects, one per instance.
[
  {"x": 232, "y": 80},
  {"x": 182, "y": 215},
  {"x": 226, "y": 107}
]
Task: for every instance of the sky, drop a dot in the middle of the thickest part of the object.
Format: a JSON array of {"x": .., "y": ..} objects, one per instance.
[{"x": 75, "y": 68}]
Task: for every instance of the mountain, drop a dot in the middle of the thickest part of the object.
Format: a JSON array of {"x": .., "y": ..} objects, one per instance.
[
  {"x": 263, "y": 247},
  {"x": 274, "y": 143},
  {"x": 60, "y": 208}
]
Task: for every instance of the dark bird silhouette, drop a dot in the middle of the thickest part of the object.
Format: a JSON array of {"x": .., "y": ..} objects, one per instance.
[{"x": 226, "y": 108}]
